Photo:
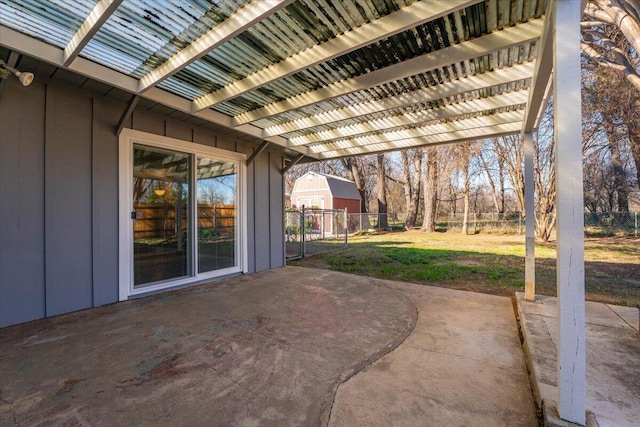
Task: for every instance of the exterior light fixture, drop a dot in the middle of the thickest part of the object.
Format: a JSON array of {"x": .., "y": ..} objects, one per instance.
[
  {"x": 159, "y": 192},
  {"x": 5, "y": 71}
]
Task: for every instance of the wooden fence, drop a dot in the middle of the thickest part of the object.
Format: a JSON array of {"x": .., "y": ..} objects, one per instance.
[{"x": 159, "y": 220}]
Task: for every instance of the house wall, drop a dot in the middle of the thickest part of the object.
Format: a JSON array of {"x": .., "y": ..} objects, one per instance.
[{"x": 59, "y": 197}]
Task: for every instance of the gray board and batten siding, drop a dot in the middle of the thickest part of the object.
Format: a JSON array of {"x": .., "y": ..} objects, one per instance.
[{"x": 59, "y": 194}]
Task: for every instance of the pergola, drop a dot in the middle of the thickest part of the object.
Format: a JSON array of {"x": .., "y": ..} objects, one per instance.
[{"x": 328, "y": 79}]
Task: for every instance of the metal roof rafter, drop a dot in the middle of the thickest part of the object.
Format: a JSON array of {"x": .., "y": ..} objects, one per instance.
[
  {"x": 408, "y": 17},
  {"x": 483, "y": 45},
  {"x": 237, "y": 23}
]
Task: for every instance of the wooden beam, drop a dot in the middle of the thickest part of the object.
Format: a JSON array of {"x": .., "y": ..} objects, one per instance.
[
  {"x": 436, "y": 130},
  {"x": 542, "y": 74},
  {"x": 509, "y": 37},
  {"x": 15, "y": 40},
  {"x": 441, "y": 138},
  {"x": 408, "y": 17},
  {"x": 529, "y": 209},
  {"x": 131, "y": 105},
  {"x": 241, "y": 20},
  {"x": 97, "y": 17},
  {"x": 292, "y": 163},
  {"x": 257, "y": 152},
  {"x": 572, "y": 392},
  {"x": 11, "y": 62},
  {"x": 449, "y": 112},
  {"x": 443, "y": 90}
]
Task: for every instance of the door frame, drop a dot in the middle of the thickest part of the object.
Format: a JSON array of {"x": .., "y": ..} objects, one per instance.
[{"x": 127, "y": 139}]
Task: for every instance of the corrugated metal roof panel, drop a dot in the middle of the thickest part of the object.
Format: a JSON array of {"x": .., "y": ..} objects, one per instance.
[
  {"x": 54, "y": 22},
  {"x": 142, "y": 35}
]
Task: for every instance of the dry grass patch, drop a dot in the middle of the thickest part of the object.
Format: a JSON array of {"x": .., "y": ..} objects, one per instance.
[{"x": 487, "y": 263}]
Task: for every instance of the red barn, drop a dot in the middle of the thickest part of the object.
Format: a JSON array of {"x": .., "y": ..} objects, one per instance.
[{"x": 321, "y": 191}]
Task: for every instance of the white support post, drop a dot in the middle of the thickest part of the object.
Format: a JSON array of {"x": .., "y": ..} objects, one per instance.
[
  {"x": 570, "y": 212},
  {"x": 529, "y": 208}
]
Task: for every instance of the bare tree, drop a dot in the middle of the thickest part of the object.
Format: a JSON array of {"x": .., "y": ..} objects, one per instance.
[
  {"x": 430, "y": 189},
  {"x": 611, "y": 31},
  {"x": 412, "y": 171},
  {"x": 545, "y": 176},
  {"x": 611, "y": 116},
  {"x": 509, "y": 150},
  {"x": 381, "y": 183},
  {"x": 611, "y": 41},
  {"x": 465, "y": 161},
  {"x": 492, "y": 167},
  {"x": 355, "y": 173}
]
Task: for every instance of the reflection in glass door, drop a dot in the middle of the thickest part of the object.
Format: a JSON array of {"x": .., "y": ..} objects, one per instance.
[
  {"x": 217, "y": 216},
  {"x": 161, "y": 241}
]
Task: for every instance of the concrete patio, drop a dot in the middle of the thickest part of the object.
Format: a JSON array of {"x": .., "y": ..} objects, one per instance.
[
  {"x": 613, "y": 360},
  {"x": 290, "y": 346}
]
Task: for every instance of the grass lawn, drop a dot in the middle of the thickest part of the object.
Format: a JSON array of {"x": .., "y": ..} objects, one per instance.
[{"x": 487, "y": 263}]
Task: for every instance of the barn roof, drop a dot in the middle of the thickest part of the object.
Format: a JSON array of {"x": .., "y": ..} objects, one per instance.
[
  {"x": 341, "y": 188},
  {"x": 323, "y": 79}
]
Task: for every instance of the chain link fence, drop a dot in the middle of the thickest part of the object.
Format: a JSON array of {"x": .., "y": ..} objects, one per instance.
[
  {"x": 611, "y": 224},
  {"x": 360, "y": 222},
  {"x": 512, "y": 222},
  {"x": 314, "y": 231},
  {"x": 595, "y": 224}
]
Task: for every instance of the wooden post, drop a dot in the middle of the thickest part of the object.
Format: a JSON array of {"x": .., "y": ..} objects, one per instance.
[
  {"x": 570, "y": 212},
  {"x": 529, "y": 208},
  {"x": 346, "y": 226}
]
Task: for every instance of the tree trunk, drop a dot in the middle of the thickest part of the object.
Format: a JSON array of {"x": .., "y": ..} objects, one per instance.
[
  {"x": 502, "y": 187},
  {"x": 619, "y": 175},
  {"x": 355, "y": 175},
  {"x": 545, "y": 188},
  {"x": 634, "y": 141},
  {"x": 467, "y": 186},
  {"x": 430, "y": 189},
  {"x": 382, "y": 193},
  {"x": 494, "y": 192},
  {"x": 619, "y": 194},
  {"x": 510, "y": 153},
  {"x": 411, "y": 185}
]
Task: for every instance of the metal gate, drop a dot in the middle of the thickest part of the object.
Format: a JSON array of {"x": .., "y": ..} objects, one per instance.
[{"x": 314, "y": 231}]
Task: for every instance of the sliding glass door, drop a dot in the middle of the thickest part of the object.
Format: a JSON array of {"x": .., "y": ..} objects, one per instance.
[
  {"x": 161, "y": 238},
  {"x": 181, "y": 217},
  {"x": 217, "y": 217}
]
